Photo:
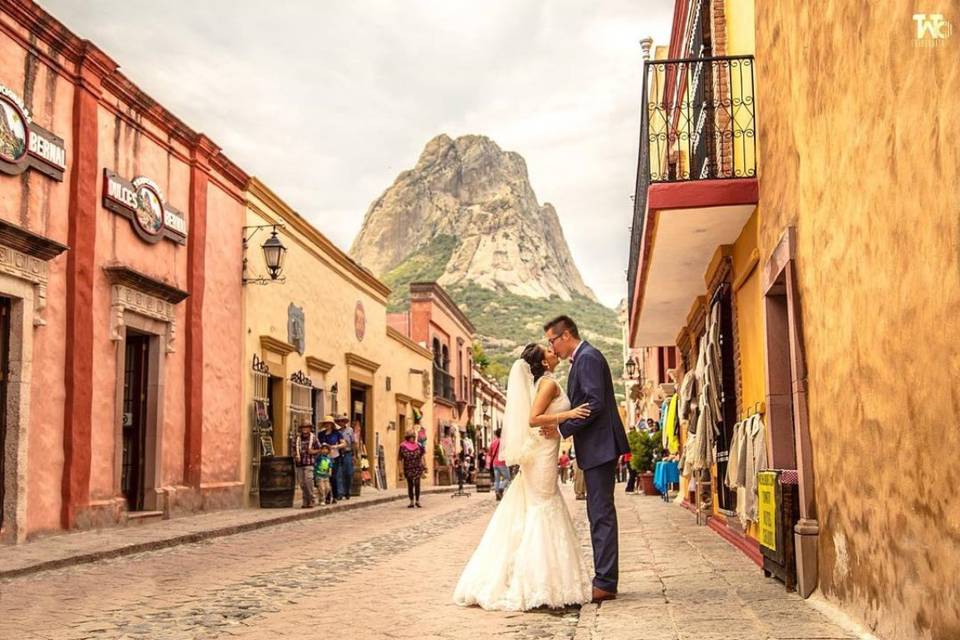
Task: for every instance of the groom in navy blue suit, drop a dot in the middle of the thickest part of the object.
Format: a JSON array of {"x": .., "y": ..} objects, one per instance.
[{"x": 600, "y": 440}]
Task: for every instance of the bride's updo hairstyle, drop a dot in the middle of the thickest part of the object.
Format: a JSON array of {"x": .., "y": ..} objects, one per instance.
[{"x": 533, "y": 354}]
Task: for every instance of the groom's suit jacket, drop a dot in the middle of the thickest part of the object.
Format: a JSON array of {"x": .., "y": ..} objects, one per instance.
[{"x": 600, "y": 437}]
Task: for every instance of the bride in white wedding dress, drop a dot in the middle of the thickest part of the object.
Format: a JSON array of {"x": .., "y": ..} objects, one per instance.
[{"x": 529, "y": 555}]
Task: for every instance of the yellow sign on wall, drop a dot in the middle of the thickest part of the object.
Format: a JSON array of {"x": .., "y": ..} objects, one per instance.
[{"x": 767, "y": 508}]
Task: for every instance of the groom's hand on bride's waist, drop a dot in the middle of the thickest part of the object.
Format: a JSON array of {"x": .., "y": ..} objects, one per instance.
[{"x": 549, "y": 431}]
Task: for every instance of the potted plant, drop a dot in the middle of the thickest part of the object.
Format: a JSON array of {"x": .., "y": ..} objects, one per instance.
[
  {"x": 643, "y": 448},
  {"x": 442, "y": 476}
]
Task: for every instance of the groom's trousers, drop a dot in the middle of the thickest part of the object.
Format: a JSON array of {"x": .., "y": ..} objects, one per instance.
[{"x": 601, "y": 482}]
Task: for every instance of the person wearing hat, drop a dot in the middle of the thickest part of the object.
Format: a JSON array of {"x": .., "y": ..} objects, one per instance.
[
  {"x": 305, "y": 450},
  {"x": 411, "y": 454},
  {"x": 333, "y": 438},
  {"x": 346, "y": 455}
]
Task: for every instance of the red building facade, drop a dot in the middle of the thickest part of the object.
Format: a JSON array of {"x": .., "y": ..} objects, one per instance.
[
  {"x": 436, "y": 322},
  {"x": 120, "y": 237}
]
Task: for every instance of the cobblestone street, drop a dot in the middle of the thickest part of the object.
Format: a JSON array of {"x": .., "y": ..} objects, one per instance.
[{"x": 388, "y": 572}]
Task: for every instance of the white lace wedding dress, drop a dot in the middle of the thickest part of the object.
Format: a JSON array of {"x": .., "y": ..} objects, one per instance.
[{"x": 529, "y": 555}]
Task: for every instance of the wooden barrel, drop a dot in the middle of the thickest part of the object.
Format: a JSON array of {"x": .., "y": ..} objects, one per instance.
[
  {"x": 356, "y": 482},
  {"x": 277, "y": 482},
  {"x": 483, "y": 481}
]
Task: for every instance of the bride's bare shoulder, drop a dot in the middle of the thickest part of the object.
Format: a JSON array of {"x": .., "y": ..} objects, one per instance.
[{"x": 548, "y": 383}]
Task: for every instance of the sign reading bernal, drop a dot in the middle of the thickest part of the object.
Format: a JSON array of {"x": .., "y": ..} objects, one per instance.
[{"x": 25, "y": 144}]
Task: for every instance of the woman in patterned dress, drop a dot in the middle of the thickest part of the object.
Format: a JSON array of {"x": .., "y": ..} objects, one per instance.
[{"x": 411, "y": 454}]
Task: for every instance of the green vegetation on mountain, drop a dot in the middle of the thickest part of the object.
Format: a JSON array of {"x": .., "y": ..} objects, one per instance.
[
  {"x": 505, "y": 321},
  {"x": 423, "y": 265}
]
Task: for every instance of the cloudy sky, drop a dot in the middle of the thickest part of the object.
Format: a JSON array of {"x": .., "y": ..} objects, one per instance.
[{"x": 328, "y": 101}]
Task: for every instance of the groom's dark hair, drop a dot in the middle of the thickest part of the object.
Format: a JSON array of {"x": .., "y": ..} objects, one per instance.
[{"x": 561, "y": 324}]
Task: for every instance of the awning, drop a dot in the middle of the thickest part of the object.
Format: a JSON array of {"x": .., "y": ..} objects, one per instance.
[{"x": 684, "y": 225}]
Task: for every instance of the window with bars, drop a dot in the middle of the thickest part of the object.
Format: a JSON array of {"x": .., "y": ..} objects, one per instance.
[
  {"x": 261, "y": 430},
  {"x": 301, "y": 403}
]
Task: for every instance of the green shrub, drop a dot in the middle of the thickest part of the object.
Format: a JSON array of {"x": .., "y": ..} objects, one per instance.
[{"x": 643, "y": 448}]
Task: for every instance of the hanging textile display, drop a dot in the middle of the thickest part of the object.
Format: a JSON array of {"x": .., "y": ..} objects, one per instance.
[
  {"x": 670, "y": 436},
  {"x": 703, "y": 429},
  {"x": 748, "y": 456}
]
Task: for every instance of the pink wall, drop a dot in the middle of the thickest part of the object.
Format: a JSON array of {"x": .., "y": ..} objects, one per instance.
[
  {"x": 145, "y": 140},
  {"x": 126, "y": 150},
  {"x": 39, "y": 204},
  {"x": 223, "y": 340}
]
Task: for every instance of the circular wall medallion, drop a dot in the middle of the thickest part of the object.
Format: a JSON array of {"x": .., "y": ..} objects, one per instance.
[
  {"x": 360, "y": 321},
  {"x": 14, "y": 131},
  {"x": 149, "y": 213}
]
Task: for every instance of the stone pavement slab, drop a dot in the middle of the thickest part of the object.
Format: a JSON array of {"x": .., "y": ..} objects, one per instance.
[
  {"x": 680, "y": 581},
  {"x": 389, "y": 572},
  {"x": 66, "y": 549},
  {"x": 382, "y": 572}
]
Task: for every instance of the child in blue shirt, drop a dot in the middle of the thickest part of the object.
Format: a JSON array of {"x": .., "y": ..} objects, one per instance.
[{"x": 322, "y": 471}]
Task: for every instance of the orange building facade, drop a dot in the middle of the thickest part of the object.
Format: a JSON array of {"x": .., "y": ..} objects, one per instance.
[
  {"x": 435, "y": 321},
  {"x": 119, "y": 243}
]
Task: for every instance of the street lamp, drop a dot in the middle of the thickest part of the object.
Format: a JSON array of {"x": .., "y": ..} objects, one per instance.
[
  {"x": 631, "y": 368},
  {"x": 274, "y": 253}
]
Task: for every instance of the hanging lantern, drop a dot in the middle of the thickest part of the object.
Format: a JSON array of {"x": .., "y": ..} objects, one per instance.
[{"x": 273, "y": 254}]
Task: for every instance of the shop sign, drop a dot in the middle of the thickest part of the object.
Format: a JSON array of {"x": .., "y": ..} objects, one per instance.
[
  {"x": 360, "y": 321},
  {"x": 767, "y": 508},
  {"x": 26, "y": 145},
  {"x": 141, "y": 202}
]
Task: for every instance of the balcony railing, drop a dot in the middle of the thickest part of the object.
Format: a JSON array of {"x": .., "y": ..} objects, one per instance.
[
  {"x": 442, "y": 384},
  {"x": 697, "y": 122}
]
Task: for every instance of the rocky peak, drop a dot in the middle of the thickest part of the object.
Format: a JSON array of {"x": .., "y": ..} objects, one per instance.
[{"x": 472, "y": 191}]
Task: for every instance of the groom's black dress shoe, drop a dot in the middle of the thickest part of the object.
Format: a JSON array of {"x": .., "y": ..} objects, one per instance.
[{"x": 599, "y": 595}]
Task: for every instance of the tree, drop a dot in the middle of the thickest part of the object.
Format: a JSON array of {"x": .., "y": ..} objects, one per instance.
[{"x": 480, "y": 358}]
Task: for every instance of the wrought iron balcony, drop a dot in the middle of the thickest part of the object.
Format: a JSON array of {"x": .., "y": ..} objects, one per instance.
[
  {"x": 442, "y": 384},
  {"x": 698, "y": 122}
]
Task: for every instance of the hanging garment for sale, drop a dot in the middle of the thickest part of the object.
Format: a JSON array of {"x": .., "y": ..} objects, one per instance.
[{"x": 756, "y": 453}]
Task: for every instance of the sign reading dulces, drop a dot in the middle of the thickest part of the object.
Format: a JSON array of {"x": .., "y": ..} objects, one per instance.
[{"x": 141, "y": 201}]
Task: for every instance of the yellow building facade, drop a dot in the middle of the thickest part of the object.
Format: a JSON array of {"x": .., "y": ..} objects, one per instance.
[
  {"x": 839, "y": 261},
  {"x": 317, "y": 342}
]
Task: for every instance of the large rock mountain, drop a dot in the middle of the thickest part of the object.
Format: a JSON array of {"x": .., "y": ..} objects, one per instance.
[
  {"x": 466, "y": 217},
  {"x": 471, "y": 190}
]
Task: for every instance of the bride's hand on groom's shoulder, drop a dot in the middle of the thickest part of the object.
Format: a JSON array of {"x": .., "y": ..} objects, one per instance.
[{"x": 583, "y": 411}]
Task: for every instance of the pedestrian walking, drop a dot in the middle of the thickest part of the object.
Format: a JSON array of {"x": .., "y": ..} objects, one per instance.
[
  {"x": 564, "y": 466},
  {"x": 579, "y": 481},
  {"x": 631, "y": 473},
  {"x": 322, "y": 471},
  {"x": 350, "y": 435},
  {"x": 501, "y": 472},
  {"x": 333, "y": 438},
  {"x": 411, "y": 455},
  {"x": 305, "y": 449}
]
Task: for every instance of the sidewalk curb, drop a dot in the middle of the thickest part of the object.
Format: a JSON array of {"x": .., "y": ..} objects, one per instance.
[
  {"x": 220, "y": 532},
  {"x": 587, "y": 622}
]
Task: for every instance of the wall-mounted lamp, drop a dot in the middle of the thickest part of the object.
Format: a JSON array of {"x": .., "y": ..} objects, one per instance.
[{"x": 274, "y": 253}]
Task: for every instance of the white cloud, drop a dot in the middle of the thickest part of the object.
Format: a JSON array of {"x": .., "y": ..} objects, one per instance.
[{"x": 328, "y": 101}]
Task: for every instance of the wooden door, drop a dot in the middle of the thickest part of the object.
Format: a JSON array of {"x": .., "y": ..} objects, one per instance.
[
  {"x": 135, "y": 376},
  {"x": 4, "y": 377}
]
